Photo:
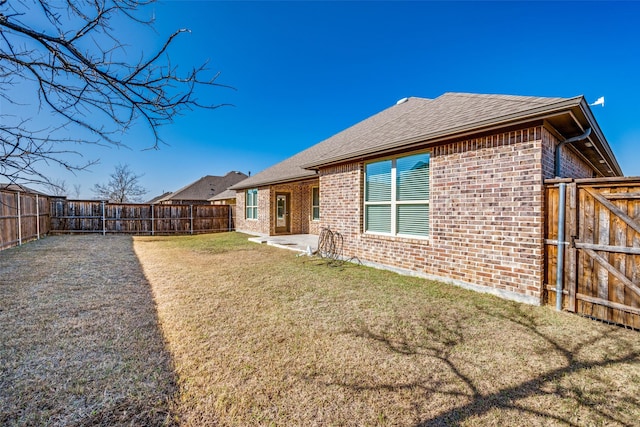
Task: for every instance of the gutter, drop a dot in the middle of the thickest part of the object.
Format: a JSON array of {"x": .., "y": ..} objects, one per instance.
[{"x": 578, "y": 138}]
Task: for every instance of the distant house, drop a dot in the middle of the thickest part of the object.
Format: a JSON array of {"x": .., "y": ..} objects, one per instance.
[
  {"x": 15, "y": 188},
  {"x": 158, "y": 198},
  {"x": 200, "y": 191},
  {"x": 227, "y": 197},
  {"x": 449, "y": 188}
]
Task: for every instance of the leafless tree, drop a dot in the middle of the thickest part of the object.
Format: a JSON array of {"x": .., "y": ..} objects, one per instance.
[
  {"x": 57, "y": 187},
  {"x": 68, "y": 54},
  {"x": 76, "y": 190},
  {"x": 123, "y": 186}
]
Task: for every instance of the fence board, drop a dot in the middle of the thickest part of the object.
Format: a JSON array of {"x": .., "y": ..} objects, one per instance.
[
  {"x": 603, "y": 256},
  {"x": 24, "y": 217},
  {"x": 86, "y": 216}
]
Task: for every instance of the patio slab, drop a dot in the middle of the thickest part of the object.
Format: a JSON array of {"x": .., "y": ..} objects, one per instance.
[{"x": 295, "y": 242}]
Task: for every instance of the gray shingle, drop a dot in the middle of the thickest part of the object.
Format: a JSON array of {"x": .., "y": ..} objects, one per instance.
[
  {"x": 206, "y": 187},
  {"x": 417, "y": 119}
]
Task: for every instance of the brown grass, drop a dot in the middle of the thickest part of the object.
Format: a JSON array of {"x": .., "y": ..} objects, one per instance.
[
  {"x": 79, "y": 338},
  {"x": 257, "y": 336}
]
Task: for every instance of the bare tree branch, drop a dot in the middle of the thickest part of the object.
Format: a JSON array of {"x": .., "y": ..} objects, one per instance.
[
  {"x": 123, "y": 186},
  {"x": 79, "y": 71}
]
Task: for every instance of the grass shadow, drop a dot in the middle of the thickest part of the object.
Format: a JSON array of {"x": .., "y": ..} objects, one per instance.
[
  {"x": 574, "y": 358},
  {"x": 80, "y": 342},
  {"x": 578, "y": 375}
]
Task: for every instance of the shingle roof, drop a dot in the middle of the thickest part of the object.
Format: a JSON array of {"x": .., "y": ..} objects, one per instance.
[
  {"x": 158, "y": 198},
  {"x": 226, "y": 194},
  {"x": 206, "y": 187},
  {"x": 416, "y": 120},
  {"x": 21, "y": 188}
]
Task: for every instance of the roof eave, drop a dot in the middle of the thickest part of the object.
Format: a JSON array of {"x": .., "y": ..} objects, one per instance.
[
  {"x": 601, "y": 139},
  {"x": 272, "y": 182}
]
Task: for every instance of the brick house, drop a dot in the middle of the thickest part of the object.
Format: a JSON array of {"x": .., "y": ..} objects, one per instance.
[{"x": 448, "y": 188}]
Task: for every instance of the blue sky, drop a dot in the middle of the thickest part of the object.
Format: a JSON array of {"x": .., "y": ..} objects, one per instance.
[{"x": 303, "y": 71}]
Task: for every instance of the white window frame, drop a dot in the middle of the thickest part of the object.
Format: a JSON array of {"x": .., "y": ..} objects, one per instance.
[
  {"x": 313, "y": 207},
  {"x": 251, "y": 210},
  {"x": 394, "y": 203}
]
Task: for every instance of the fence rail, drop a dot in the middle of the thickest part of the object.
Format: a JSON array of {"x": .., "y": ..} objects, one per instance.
[
  {"x": 24, "y": 217},
  {"x": 90, "y": 216},
  {"x": 599, "y": 274}
]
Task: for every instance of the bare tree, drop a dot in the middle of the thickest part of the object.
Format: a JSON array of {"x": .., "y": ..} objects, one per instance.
[
  {"x": 68, "y": 54},
  {"x": 57, "y": 187},
  {"x": 123, "y": 186},
  {"x": 76, "y": 190}
]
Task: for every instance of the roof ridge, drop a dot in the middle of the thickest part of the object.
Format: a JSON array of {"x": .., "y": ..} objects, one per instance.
[{"x": 514, "y": 98}]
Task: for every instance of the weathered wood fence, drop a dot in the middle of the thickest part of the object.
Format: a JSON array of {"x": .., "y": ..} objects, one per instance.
[
  {"x": 26, "y": 216},
  {"x": 23, "y": 217},
  {"x": 600, "y": 274},
  {"x": 91, "y": 216}
]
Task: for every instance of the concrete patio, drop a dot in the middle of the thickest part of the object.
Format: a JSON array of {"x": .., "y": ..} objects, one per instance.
[{"x": 294, "y": 242}]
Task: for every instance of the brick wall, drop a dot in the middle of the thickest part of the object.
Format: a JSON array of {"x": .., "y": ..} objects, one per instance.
[
  {"x": 486, "y": 216},
  {"x": 571, "y": 164},
  {"x": 486, "y": 213},
  {"x": 253, "y": 226},
  {"x": 299, "y": 204}
]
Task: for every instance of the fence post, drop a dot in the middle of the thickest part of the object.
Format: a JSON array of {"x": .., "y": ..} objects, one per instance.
[
  {"x": 37, "y": 218},
  {"x": 191, "y": 217},
  {"x": 561, "y": 243},
  {"x": 104, "y": 221},
  {"x": 230, "y": 218},
  {"x": 152, "y": 221},
  {"x": 19, "y": 219}
]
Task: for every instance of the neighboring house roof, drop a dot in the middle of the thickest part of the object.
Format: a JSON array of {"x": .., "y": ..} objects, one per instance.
[
  {"x": 225, "y": 195},
  {"x": 20, "y": 187},
  {"x": 158, "y": 198},
  {"x": 206, "y": 187},
  {"x": 418, "y": 122}
]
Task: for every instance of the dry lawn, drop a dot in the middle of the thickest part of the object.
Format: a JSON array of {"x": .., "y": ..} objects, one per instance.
[
  {"x": 79, "y": 337},
  {"x": 214, "y": 330},
  {"x": 261, "y": 337}
]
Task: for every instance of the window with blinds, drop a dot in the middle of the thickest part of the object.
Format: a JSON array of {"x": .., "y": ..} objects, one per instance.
[
  {"x": 251, "y": 204},
  {"x": 397, "y": 196}
]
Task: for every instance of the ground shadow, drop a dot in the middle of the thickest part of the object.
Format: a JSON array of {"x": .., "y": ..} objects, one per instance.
[
  {"x": 438, "y": 339},
  {"x": 80, "y": 342},
  {"x": 573, "y": 362}
]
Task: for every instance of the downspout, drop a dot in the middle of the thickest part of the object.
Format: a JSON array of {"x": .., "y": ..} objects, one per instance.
[
  {"x": 585, "y": 135},
  {"x": 561, "y": 243}
]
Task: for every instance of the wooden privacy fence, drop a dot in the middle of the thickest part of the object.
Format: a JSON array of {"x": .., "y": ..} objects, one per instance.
[
  {"x": 600, "y": 249},
  {"x": 24, "y": 216},
  {"x": 91, "y": 216}
]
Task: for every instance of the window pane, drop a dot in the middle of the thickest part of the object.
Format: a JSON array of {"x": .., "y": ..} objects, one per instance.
[
  {"x": 413, "y": 219},
  {"x": 413, "y": 177},
  {"x": 316, "y": 212},
  {"x": 378, "y": 218},
  {"x": 315, "y": 196},
  {"x": 254, "y": 213},
  {"x": 248, "y": 215},
  {"x": 378, "y": 185}
]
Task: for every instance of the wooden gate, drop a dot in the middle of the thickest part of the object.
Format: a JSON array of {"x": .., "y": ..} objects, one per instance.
[{"x": 601, "y": 268}]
